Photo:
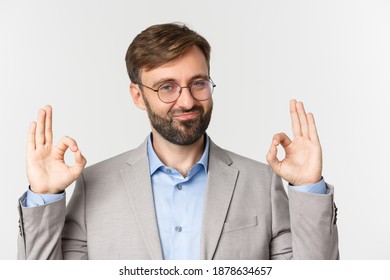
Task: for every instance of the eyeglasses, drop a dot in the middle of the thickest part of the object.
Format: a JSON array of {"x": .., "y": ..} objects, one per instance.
[{"x": 169, "y": 92}]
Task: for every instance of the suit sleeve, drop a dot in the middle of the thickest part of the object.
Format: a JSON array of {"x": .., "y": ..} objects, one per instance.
[
  {"x": 303, "y": 224},
  {"x": 313, "y": 225},
  {"x": 45, "y": 233},
  {"x": 40, "y": 230}
]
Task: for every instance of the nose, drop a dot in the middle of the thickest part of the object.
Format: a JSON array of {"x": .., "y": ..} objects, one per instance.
[{"x": 186, "y": 100}]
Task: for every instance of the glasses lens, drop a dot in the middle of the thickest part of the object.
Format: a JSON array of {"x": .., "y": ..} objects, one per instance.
[
  {"x": 202, "y": 89},
  {"x": 169, "y": 92}
]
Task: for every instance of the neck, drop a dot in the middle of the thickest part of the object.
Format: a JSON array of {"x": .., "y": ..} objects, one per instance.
[{"x": 182, "y": 158}]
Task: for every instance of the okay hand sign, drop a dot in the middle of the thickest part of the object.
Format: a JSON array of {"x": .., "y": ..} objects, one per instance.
[
  {"x": 47, "y": 171},
  {"x": 302, "y": 164}
]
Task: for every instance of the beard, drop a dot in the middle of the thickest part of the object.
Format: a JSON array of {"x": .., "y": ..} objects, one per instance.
[{"x": 183, "y": 133}]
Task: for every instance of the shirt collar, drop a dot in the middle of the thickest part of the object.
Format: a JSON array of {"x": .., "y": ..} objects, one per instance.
[{"x": 155, "y": 163}]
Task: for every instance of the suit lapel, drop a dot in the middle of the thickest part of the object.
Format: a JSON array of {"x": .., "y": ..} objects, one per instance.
[
  {"x": 136, "y": 177},
  {"x": 220, "y": 187}
]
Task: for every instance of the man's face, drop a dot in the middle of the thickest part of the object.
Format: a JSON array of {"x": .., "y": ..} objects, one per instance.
[{"x": 184, "y": 121}]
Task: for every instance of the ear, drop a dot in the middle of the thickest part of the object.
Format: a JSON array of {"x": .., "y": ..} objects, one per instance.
[{"x": 137, "y": 96}]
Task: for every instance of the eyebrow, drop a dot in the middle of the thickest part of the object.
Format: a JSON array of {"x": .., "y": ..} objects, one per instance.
[{"x": 197, "y": 76}]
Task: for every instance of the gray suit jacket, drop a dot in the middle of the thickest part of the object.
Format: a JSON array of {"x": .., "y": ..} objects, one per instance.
[{"x": 247, "y": 215}]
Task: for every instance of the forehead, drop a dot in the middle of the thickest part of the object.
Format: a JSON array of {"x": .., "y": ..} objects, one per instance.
[{"x": 191, "y": 63}]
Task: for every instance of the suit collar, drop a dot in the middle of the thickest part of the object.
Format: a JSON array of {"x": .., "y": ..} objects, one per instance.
[
  {"x": 136, "y": 177},
  {"x": 221, "y": 183},
  {"x": 138, "y": 153}
]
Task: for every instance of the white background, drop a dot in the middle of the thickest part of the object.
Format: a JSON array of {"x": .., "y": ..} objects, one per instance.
[{"x": 333, "y": 55}]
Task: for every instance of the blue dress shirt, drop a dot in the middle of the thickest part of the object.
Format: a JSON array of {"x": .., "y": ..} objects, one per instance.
[{"x": 179, "y": 205}]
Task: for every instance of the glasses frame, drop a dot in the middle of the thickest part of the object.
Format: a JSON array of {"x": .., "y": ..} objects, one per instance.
[{"x": 181, "y": 89}]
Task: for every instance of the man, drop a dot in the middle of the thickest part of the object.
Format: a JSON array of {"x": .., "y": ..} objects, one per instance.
[{"x": 178, "y": 195}]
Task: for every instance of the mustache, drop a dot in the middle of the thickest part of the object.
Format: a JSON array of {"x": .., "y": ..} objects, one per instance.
[{"x": 178, "y": 111}]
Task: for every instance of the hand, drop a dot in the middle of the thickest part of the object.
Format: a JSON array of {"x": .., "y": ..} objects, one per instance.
[
  {"x": 47, "y": 172},
  {"x": 303, "y": 162}
]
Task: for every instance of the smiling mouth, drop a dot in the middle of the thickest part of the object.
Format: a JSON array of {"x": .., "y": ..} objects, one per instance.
[{"x": 186, "y": 116}]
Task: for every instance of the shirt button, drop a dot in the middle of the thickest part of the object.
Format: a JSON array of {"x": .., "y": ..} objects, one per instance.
[
  {"x": 178, "y": 229},
  {"x": 179, "y": 187},
  {"x": 169, "y": 171}
]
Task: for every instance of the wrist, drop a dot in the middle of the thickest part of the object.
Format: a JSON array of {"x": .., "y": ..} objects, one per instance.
[
  {"x": 307, "y": 182},
  {"x": 42, "y": 192}
]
